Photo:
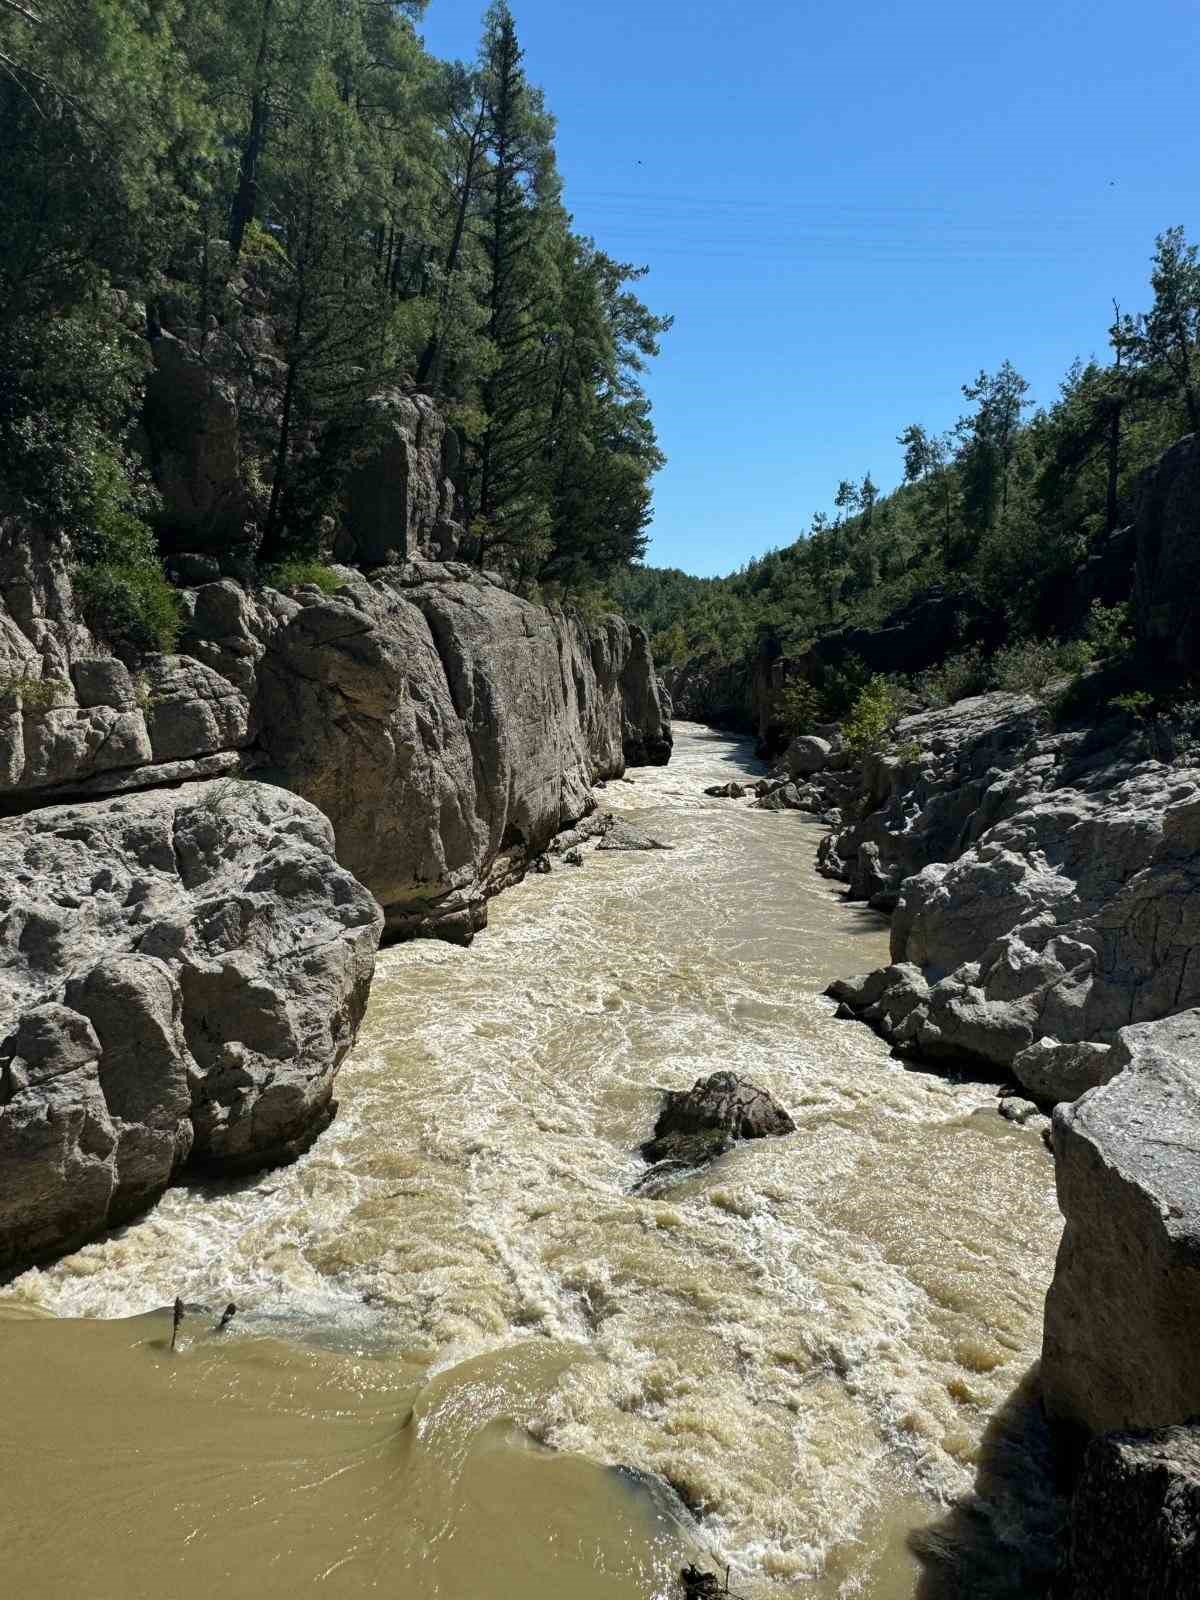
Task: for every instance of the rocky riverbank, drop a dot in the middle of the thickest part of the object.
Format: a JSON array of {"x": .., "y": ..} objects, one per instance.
[
  {"x": 1044, "y": 885},
  {"x": 203, "y": 848}
]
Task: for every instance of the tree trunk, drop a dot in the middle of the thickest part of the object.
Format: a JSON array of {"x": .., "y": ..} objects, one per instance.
[
  {"x": 245, "y": 199},
  {"x": 432, "y": 350}
]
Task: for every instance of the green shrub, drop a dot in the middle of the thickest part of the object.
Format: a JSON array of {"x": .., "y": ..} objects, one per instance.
[
  {"x": 797, "y": 707},
  {"x": 1108, "y": 629},
  {"x": 871, "y": 717},
  {"x": 1137, "y": 703},
  {"x": 291, "y": 574},
  {"x": 129, "y": 602},
  {"x": 1031, "y": 664},
  {"x": 34, "y": 694},
  {"x": 957, "y": 677}
]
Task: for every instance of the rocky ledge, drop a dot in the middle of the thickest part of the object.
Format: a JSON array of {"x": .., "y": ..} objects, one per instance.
[
  {"x": 183, "y": 972},
  {"x": 447, "y": 728}
]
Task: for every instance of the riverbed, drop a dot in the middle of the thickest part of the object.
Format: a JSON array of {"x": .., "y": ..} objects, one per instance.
[{"x": 469, "y": 1362}]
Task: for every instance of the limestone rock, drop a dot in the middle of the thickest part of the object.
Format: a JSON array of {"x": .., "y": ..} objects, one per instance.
[
  {"x": 1122, "y": 1312},
  {"x": 807, "y": 755},
  {"x": 621, "y": 835},
  {"x": 449, "y": 730},
  {"x": 1135, "y": 1518},
  {"x": 192, "y": 421},
  {"x": 697, "y": 1124},
  {"x": 401, "y": 500},
  {"x": 181, "y": 974}
]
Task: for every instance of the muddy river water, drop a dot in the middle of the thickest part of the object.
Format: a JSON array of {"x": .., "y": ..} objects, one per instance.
[{"x": 469, "y": 1363}]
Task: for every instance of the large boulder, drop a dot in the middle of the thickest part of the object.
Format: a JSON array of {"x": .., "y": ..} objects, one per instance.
[
  {"x": 1122, "y": 1314},
  {"x": 193, "y": 440},
  {"x": 807, "y": 755},
  {"x": 1044, "y": 882},
  {"x": 181, "y": 974},
  {"x": 697, "y": 1124},
  {"x": 1135, "y": 1518}
]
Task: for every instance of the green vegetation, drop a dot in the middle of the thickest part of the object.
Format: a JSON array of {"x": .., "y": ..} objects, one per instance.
[
  {"x": 997, "y": 515},
  {"x": 291, "y": 574},
  {"x": 400, "y": 221},
  {"x": 871, "y": 717}
]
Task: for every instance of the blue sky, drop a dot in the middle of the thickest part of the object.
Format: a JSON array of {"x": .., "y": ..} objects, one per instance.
[{"x": 850, "y": 208}]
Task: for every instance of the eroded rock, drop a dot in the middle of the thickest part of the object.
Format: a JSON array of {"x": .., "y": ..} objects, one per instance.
[
  {"x": 1120, "y": 1346},
  {"x": 1135, "y": 1518},
  {"x": 698, "y": 1124},
  {"x": 181, "y": 975}
]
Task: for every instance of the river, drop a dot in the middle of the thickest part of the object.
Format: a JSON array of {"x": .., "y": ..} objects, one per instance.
[{"x": 469, "y": 1363}]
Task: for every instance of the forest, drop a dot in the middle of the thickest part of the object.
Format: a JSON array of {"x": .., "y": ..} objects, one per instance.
[
  {"x": 1000, "y": 513},
  {"x": 400, "y": 220}
]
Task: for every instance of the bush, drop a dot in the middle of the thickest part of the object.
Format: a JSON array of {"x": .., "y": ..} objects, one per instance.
[
  {"x": 291, "y": 574},
  {"x": 958, "y": 677},
  {"x": 130, "y": 602},
  {"x": 1108, "y": 629},
  {"x": 871, "y": 717},
  {"x": 1026, "y": 667},
  {"x": 797, "y": 707}
]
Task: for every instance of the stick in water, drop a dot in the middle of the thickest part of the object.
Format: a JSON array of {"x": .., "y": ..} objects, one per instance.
[{"x": 177, "y": 1318}]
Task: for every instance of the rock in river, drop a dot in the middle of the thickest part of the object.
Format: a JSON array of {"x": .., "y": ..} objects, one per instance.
[{"x": 698, "y": 1124}]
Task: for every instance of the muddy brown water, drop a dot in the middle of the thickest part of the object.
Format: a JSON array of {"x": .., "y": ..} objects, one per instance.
[{"x": 469, "y": 1363}]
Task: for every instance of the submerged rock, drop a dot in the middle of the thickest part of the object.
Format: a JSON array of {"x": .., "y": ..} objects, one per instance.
[
  {"x": 726, "y": 791},
  {"x": 698, "y": 1124},
  {"x": 181, "y": 975},
  {"x": 620, "y": 835},
  {"x": 1135, "y": 1519}
]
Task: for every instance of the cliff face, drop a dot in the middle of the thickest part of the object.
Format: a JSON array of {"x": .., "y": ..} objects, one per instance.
[
  {"x": 445, "y": 727},
  {"x": 185, "y": 956}
]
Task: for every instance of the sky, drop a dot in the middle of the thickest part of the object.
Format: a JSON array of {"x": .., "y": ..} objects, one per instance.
[{"x": 851, "y": 207}]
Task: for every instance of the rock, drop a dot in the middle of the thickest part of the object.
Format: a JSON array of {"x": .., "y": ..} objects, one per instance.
[
  {"x": 1013, "y": 1109},
  {"x": 573, "y": 858},
  {"x": 1167, "y": 571},
  {"x": 542, "y": 865},
  {"x": 1063, "y": 904},
  {"x": 190, "y": 567},
  {"x": 1052, "y": 1072},
  {"x": 401, "y": 501},
  {"x": 1119, "y": 1349},
  {"x": 181, "y": 975},
  {"x": 449, "y": 730},
  {"x": 807, "y": 755},
  {"x": 193, "y": 427},
  {"x": 697, "y": 1124},
  {"x": 726, "y": 791},
  {"x": 620, "y": 835},
  {"x": 1135, "y": 1518}
]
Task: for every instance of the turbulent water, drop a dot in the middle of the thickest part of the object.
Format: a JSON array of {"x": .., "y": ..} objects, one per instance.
[{"x": 469, "y": 1362}]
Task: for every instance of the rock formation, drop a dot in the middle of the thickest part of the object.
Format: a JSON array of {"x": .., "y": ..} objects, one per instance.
[
  {"x": 1124, "y": 1308},
  {"x": 1135, "y": 1518},
  {"x": 446, "y": 728},
  {"x": 182, "y": 973},
  {"x": 1042, "y": 891},
  {"x": 698, "y": 1124}
]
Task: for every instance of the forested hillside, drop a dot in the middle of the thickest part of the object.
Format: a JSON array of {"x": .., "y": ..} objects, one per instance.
[
  {"x": 993, "y": 526},
  {"x": 393, "y": 221}
]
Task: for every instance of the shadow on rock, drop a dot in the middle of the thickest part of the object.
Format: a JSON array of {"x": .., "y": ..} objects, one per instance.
[{"x": 1000, "y": 1542}]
